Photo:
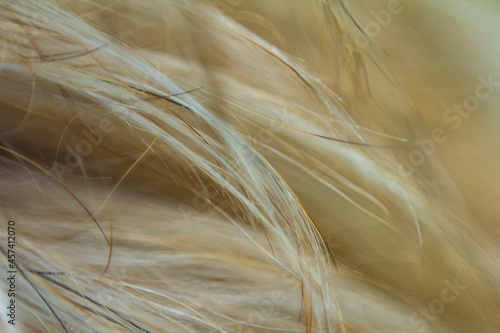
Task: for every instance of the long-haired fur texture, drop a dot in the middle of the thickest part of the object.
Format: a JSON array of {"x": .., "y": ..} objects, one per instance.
[{"x": 245, "y": 166}]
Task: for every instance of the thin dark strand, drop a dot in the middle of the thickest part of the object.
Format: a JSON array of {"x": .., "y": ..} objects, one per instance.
[
  {"x": 184, "y": 92},
  {"x": 316, "y": 92},
  {"x": 167, "y": 98},
  {"x": 45, "y": 273},
  {"x": 67, "y": 55},
  {"x": 38, "y": 292},
  {"x": 24, "y": 158},
  {"x": 60, "y": 56},
  {"x": 353, "y": 19},
  {"x": 354, "y": 143},
  {"x": 92, "y": 301},
  {"x": 104, "y": 316},
  {"x": 160, "y": 96}
]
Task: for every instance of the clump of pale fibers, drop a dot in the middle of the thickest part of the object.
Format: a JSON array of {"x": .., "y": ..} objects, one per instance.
[{"x": 199, "y": 166}]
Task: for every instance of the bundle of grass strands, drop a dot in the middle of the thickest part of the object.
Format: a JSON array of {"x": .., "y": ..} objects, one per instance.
[{"x": 247, "y": 166}]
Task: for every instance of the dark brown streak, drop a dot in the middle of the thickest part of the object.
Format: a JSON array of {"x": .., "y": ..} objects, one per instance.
[
  {"x": 38, "y": 292},
  {"x": 167, "y": 98},
  {"x": 71, "y": 290},
  {"x": 178, "y": 94},
  {"x": 61, "y": 184},
  {"x": 172, "y": 111},
  {"x": 354, "y": 143},
  {"x": 356, "y": 23},
  {"x": 320, "y": 95},
  {"x": 45, "y": 273},
  {"x": 67, "y": 55}
]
